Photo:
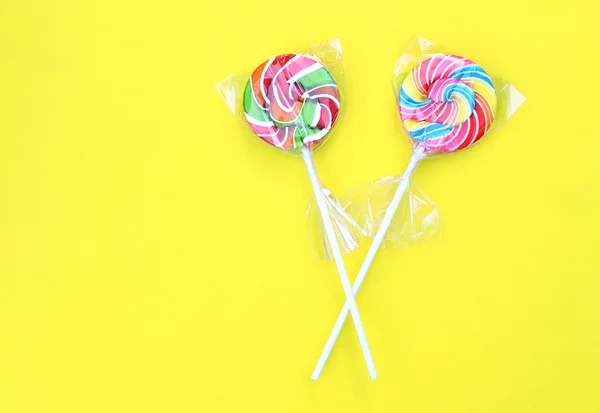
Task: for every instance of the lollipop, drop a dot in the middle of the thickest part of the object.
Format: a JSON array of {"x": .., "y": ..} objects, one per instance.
[
  {"x": 292, "y": 102},
  {"x": 447, "y": 103}
]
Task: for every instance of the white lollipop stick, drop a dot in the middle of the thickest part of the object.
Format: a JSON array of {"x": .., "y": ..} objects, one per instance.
[
  {"x": 415, "y": 158},
  {"x": 339, "y": 262}
]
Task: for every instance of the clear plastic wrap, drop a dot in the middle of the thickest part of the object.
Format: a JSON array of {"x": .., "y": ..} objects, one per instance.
[
  {"x": 417, "y": 220},
  {"x": 346, "y": 227},
  {"x": 294, "y": 102},
  {"x": 446, "y": 103}
]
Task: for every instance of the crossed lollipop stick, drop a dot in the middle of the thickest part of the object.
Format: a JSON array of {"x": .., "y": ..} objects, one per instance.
[
  {"x": 350, "y": 306},
  {"x": 416, "y": 157}
]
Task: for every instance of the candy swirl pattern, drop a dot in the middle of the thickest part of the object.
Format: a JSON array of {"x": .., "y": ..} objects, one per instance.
[
  {"x": 447, "y": 103},
  {"x": 291, "y": 101}
]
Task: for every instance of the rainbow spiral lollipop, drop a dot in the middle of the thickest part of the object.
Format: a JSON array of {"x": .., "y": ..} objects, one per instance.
[
  {"x": 291, "y": 101},
  {"x": 447, "y": 103}
]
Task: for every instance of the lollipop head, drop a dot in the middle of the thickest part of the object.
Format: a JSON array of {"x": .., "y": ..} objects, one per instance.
[
  {"x": 447, "y": 103},
  {"x": 291, "y": 101}
]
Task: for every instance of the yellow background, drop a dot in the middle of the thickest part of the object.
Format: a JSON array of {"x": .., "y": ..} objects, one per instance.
[{"x": 153, "y": 254}]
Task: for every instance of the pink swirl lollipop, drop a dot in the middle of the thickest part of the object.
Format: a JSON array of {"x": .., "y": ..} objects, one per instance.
[{"x": 291, "y": 101}]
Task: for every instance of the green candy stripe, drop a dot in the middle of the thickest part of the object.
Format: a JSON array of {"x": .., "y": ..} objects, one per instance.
[
  {"x": 252, "y": 108},
  {"x": 315, "y": 79}
]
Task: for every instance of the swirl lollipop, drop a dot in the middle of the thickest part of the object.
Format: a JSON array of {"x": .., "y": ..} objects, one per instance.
[
  {"x": 447, "y": 103},
  {"x": 292, "y": 102}
]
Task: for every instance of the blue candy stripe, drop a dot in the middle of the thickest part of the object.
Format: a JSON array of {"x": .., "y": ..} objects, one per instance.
[
  {"x": 431, "y": 131},
  {"x": 410, "y": 102},
  {"x": 471, "y": 72}
]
